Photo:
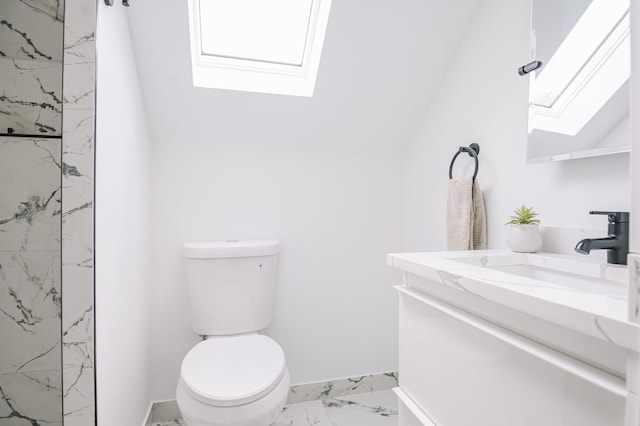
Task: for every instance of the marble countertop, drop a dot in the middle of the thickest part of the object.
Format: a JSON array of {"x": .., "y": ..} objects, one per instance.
[{"x": 595, "y": 303}]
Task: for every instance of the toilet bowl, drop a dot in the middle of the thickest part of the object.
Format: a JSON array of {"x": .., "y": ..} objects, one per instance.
[
  {"x": 235, "y": 380},
  {"x": 235, "y": 377}
]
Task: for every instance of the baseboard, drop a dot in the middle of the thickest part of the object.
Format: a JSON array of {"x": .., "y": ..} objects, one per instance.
[
  {"x": 342, "y": 387},
  {"x": 147, "y": 416}
]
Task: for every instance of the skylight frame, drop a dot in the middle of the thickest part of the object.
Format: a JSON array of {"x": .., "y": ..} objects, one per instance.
[
  {"x": 593, "y": 83},
  {"x": 255, "y": 75},
  {"x": 594, "y": 28}
]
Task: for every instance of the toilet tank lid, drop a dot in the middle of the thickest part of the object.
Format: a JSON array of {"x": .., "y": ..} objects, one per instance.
[{"x": 229, "y": 248}]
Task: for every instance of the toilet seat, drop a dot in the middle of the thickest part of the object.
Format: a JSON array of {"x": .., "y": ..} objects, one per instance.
[{"x": 235, "y": 370}]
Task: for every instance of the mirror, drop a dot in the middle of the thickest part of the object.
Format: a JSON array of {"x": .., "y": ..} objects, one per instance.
[{"x": 579, "y": 97}]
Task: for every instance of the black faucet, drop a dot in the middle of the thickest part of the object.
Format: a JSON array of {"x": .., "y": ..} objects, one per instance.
[{"x": 617, "y": 243}]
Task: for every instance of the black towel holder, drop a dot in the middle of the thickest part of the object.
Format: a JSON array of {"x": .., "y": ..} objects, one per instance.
[{"x": 473, "y": 150}]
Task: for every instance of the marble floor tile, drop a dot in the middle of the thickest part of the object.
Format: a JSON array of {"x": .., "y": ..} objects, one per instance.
[
  {"x": 372, "y": 409},
  {"x": 163, "y": 410},
  {"x": 377, "y": 408},
  {"x": 309, "y": 413}
]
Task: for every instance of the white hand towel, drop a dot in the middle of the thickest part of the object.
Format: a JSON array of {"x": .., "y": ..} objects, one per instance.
[
  {"x": 479, "y": 219},
  {"x": 466, "y": 217}
]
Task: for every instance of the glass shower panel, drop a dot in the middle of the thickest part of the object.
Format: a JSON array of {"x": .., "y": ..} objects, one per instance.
[{"x": 30, "y": 303}]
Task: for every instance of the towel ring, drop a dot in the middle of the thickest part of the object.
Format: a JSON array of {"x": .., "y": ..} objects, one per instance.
[{"x": 473, "y": 150}]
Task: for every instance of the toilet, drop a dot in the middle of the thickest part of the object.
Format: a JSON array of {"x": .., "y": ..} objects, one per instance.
[{"x": 234, "y": 376}]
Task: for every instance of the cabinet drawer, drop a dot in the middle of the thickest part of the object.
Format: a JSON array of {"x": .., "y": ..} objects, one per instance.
[{"x": 460, "y": 374}]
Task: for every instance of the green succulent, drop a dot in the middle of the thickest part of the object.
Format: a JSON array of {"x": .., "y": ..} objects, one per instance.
[{"x": 523, "y": 216}]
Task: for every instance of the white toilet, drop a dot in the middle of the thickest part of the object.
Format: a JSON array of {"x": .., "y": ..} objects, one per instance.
[{"x": 236, "y": 376}]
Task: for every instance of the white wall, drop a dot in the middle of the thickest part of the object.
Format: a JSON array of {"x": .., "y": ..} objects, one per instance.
[
  {"x": 122, "y": 228},
  {"x": 337, "y": 217},
  {"x": 321, "y": 174},
  {"x": 484, "y": 100}
]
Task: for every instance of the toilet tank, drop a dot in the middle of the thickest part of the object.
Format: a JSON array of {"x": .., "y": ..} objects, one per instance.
[{"x": 230, "y": 285}]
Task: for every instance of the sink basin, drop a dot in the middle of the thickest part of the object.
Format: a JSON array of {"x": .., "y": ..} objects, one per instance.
[
  {"x": 559, "y": 270},
  {"x": 551, "y": 291}
]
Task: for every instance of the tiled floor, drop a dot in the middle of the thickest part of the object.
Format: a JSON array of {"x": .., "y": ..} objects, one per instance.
[{"x": 379, "y": 408}]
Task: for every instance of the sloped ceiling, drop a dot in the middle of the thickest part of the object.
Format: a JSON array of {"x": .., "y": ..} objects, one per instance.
[{"x": 381, "y": 61}]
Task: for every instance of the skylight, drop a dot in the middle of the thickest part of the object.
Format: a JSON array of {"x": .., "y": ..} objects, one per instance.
[
  {"x": 270, "y": 46},
  {"x": 590, "y": 65}
]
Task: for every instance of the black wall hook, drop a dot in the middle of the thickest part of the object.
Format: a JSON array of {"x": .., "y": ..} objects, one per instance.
[
  {"x": 110, "y": 2},
  {"x": 473, "y": 150}
]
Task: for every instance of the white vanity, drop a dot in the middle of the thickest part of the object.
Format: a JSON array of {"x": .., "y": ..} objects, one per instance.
[{"x": 499, "y": 338}]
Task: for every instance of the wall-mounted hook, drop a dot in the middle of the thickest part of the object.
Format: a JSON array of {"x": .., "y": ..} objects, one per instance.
[{"x": 110, "y": 2}]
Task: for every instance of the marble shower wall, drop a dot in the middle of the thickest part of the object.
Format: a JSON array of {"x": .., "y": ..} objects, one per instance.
[
  {"x": 30, "y": 303},
  {"x": 31, "y": 66},
  {"x": 30, "y": 211},
  {"x": 46, "y": 228},
  {"x": 77, "y": 213}
]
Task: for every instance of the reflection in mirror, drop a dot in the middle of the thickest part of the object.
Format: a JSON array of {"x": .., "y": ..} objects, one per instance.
[{"x": 579, "y": 98}]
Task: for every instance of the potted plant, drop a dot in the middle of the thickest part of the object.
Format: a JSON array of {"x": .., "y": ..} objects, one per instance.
[{"x": 524, "y": 235}]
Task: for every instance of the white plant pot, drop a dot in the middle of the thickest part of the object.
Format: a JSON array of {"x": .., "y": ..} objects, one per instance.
[{"x": 524, "y": 238}]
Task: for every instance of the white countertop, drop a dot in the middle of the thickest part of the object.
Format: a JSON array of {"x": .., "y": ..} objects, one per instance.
[{"x": 597, "y": 305}]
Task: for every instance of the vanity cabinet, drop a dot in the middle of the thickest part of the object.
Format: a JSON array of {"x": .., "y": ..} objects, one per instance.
[{"x": 460, "y": 369}]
